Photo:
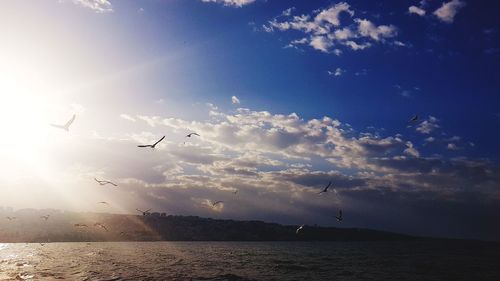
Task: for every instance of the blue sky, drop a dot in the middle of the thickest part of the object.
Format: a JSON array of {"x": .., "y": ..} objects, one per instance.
[{"x": 323, "y": 91}]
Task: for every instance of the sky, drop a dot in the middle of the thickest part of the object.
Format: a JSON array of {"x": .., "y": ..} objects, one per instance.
[{"x": 286, "y": 96}]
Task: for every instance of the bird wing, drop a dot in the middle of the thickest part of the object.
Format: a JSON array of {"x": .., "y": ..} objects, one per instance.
[
  {"x": 57, "y": 126},
  {"x": 139, "y": 211},
  {"x": 144, "y": 145},
  {"x": 70, "y": 121},
  {"x": 196, "y": 134},
  {"x": 112, "y": 183},
  {"x": 147, "y": 210},
  {"x": 326, "y": 188},
  {"x": 159, "y": 141}
]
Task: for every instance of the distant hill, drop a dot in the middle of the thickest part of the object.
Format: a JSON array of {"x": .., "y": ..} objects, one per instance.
[{"x": 29, "y": 226}]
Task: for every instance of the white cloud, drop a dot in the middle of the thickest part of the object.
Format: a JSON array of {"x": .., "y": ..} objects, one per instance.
[
  {"x": 326, "y": 33},
  {"x": 338, "y": 72},
  {"x": 448, "y": 11},
  {"x": 452, "y": 146},
  {"x": 232, "y": 3},
  {"x": 416, "y": 10},
  {"x": 429, "y": 125},
  {"x": 127, "y": 117},
  {"x": 368, "y": 29},
  {"x": 235, "y": 100},
  {"x": 99, "y": 6},
  {"x": 410, "y": 150}
]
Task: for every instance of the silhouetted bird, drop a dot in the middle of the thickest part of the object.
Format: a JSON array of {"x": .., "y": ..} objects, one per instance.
[
  {"x": 216, "y": 203},
  {"x": 98, "y": 224},
  {"x": 192, "y": 134},
  {"x": 65, "y": 126},
  {"x": 151, "y": 145},
  {"x": 326, "y": 188},
  {"x": 414, "y": 119},
  {"x": 339, "y": 217},
  {"x": 104, "y": 182},
  {"x": 10, "y": 218},
  {"x": 46, "y": 217},
  {"x": 299, "y": 229},
  {"x": 144, "y": 213}
]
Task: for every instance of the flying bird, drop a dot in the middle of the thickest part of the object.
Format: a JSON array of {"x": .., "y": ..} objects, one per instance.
[
  {"x": 144, "y": 213},
  {"x": 326, "y": 188},
  {"x": 299, "y": 229},
  {"x": 104, "y": 182},
  {"x": 103, "y": 202},
  {"x": 80, "y": 225},
  {"x": 413, "y": 119},
  {"x": 65, "y": 126},
  {"x": 192, "y": 134},
  {"x": 46, "y": 217},
  {"x": 151, "y": 145},
  {"x": 98, "y": 224},
  {"x": 339, "y": 217},
  {"x": 10, "y": 218},
  {"x": 216, "y": 203}
]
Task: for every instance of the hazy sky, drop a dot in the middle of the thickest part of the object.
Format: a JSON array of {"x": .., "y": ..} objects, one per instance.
[{"x": 286, "y": 95}]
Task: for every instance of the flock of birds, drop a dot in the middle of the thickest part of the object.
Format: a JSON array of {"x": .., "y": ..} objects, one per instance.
[{"x": 339, "y": 217}]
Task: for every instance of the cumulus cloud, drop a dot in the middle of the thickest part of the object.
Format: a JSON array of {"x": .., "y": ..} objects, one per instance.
[
  {"x": 325, "y": 32},
  {"x": 99, "y": 6},
  {"x": 235, "y": 100},
  {"x": 449, "y": 10},
  {"x": 338, "y": 72},
  {"x": 410, "y": 150},
  {"x": 428, "y": 126},
  {"x": 416, "y": 10},
  {"x": 231, "y": 3}
]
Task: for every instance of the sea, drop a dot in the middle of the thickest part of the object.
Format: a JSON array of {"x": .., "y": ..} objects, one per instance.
[{"x": 309, "y": 261}]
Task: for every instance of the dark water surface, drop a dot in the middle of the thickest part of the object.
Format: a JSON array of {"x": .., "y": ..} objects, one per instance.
[{"x": 429, "y": 260}]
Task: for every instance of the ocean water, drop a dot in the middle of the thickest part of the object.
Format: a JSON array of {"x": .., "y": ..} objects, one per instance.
[{"x": 428, "y": 260}]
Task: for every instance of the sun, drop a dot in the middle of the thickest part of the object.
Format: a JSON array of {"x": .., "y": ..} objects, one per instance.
[{"x": 23, "y": 122}]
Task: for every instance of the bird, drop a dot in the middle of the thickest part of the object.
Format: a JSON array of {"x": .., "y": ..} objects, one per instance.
[
  {"x": 191, "y": 134},
  {"x": 326, "y": 188},
  {"x": 216, "y": 203},
  {"x": 414, "y": 119},
  {"x": 42, "y": 244},
  {"x": 80, "y": 225},
  {"x": 65, "y": 126},
  {"x": 123, "y": 233},
  {"x": 235, "y": 192},
  {"x": 144, "y": 213},
  {"x": 46, "y": 217},
  {"x": 339, "y": 216},
  {"x": 98, "y": 224},
  {"x": 10, "y": 218},
  {"x": 104, "y": 182},
  {"x": 151, "y": 145},
  {"x": 103, "y": 202},
  {"x": 299, "y": 229}
]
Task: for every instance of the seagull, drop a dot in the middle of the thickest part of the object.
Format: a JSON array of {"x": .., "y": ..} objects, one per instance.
[
  {"x": 191, "y": 134},
  {"x": 413, "y": 119},
  {"x": 104, "y": 182},
  {"x": 80, "y": 225},
  {"x": 217, "y": 202},
  {"x": 65, "y": 126},
  {"x": 339, "y": 217},
  {"x": 144, "y": 213},
  {"x": 10, "y": 218},
  {"x": 151, "y": 145},
  {"x": 98, "y": 224},
  {"x": 326, "y": 188},
  {"x": 299, "y": 229},
  {"x": 46, "y": 217},
  {"x": 103, "y": 202}
]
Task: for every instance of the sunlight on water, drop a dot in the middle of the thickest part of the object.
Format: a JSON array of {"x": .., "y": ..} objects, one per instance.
[{"x": 249, "y": 261}]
